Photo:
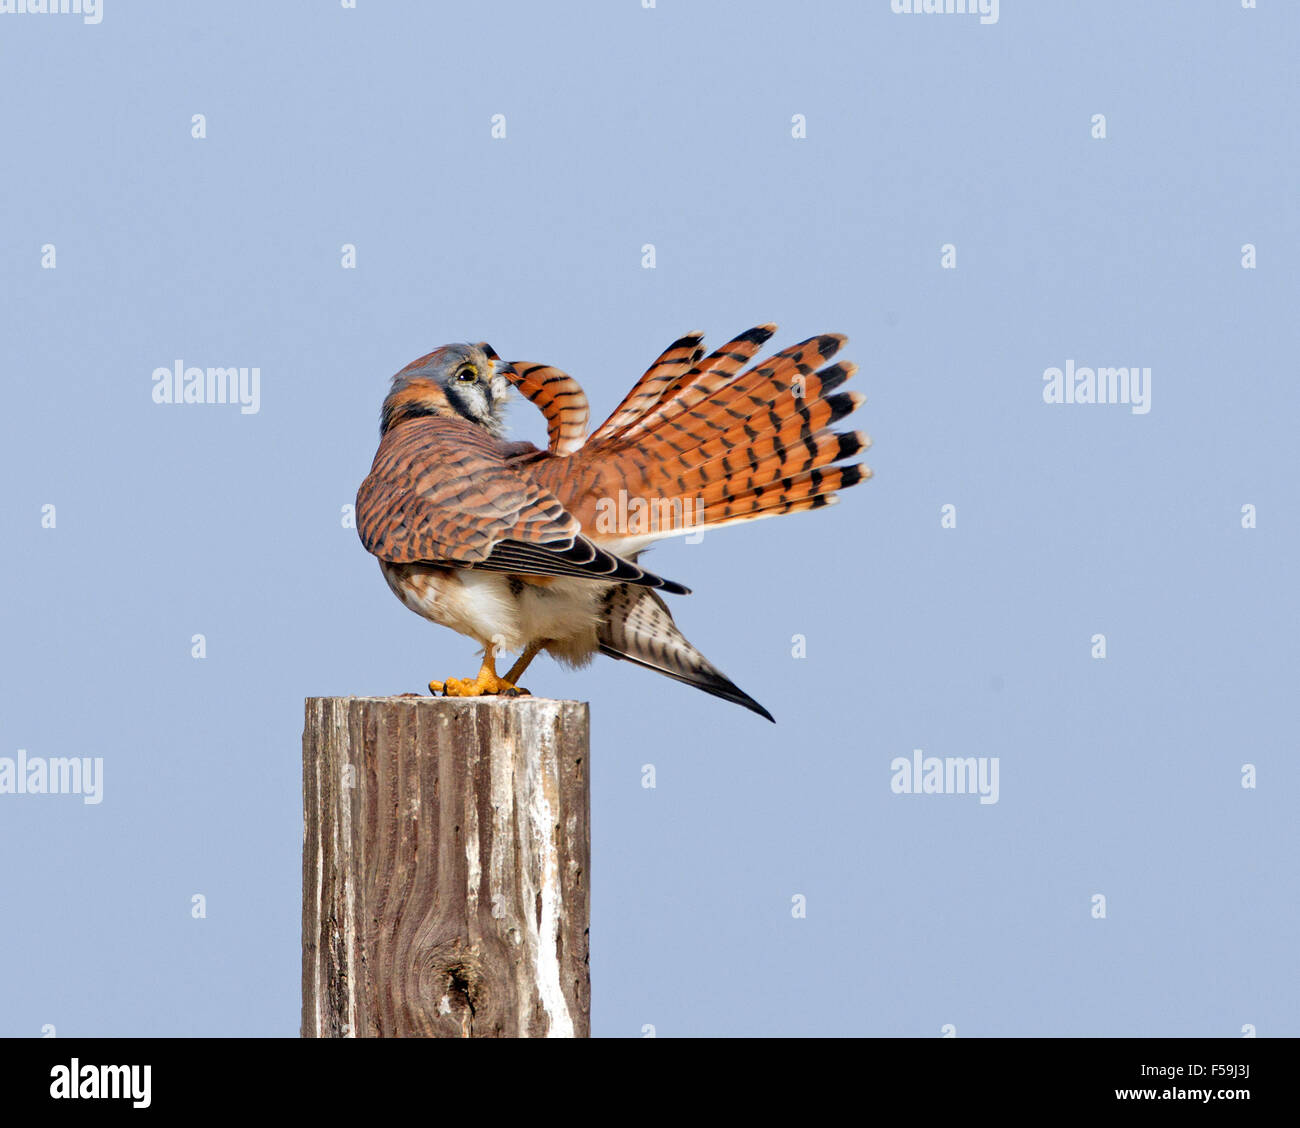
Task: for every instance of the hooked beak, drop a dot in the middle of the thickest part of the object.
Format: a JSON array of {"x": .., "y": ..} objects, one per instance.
[{"x": 504, "y": 367}]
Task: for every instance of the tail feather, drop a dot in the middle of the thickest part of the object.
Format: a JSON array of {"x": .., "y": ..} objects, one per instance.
[
  {"x": 639, "y": 628},
  {"x": 721, "y": 505},
  {"x": 784, "y": 418},
  {"x": 775, "y": 509},
  {"x": 560, "y": 399},
  {"x": 706, "y": 378},
  {"x": 702, "y": 401},
  {"x": 676, "y": 360},
  {"x": 781, "y": 464},
  {"x": 744, "y": 443},
  {"x": 799, "y": 442}
]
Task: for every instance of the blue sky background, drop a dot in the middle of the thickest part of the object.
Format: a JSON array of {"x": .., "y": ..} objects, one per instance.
[{"x": 672, "y": 126}]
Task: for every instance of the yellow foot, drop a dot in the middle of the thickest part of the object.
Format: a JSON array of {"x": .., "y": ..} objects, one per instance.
[{"x": 485, "y": 684}]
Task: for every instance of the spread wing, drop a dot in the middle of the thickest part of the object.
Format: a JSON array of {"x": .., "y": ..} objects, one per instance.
[{"x": 443, "y": 491}]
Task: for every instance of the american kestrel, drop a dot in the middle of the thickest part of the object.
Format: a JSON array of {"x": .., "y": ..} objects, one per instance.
[{"x": 527, "y": 550}]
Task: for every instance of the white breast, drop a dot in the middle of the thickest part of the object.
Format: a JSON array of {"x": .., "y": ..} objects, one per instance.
[{"x": 488, "y": 608}]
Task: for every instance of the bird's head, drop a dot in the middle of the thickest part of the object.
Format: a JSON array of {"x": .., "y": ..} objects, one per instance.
[{"x": 469, "y": 381}]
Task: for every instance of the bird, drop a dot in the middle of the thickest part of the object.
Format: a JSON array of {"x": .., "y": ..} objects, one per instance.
[{"x": 527, "y": 550}]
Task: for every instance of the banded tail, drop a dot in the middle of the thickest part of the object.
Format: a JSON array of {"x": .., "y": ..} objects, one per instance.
[
  {"x": 746, "y": 442},
  {"x": 560, "y": 399}
]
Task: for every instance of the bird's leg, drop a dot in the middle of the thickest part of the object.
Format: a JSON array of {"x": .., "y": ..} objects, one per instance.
[
  {"x": 486, "y": 683},
  {"x": 530, "y": 652}
]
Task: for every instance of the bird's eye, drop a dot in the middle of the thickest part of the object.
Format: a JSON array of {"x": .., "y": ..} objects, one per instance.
[{"x": 467, "y": 375}]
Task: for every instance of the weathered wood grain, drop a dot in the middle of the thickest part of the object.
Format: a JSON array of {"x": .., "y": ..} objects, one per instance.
[{"x": 446, "y": 851}]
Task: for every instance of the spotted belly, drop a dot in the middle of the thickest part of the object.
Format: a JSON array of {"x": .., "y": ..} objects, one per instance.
[{"x": 508, "y": 611}]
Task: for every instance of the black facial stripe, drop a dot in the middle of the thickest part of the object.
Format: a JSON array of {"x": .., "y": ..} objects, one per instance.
[{"x": 467, "y": 399}]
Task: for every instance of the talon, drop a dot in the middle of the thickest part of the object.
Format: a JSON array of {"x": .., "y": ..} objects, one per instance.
[
  {"x": 488, "y": 682},
  {"x": 485, "y": 685}
]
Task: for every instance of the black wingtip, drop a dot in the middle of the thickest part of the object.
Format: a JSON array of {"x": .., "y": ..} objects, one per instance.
[
  {"x": 719, "y": 685},
  {"x": 730, "y": 691},
  {"x": 716, "y": 685}
]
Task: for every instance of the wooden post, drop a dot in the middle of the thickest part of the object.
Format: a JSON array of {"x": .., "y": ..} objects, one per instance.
[{"x": 446, "y": 852}]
